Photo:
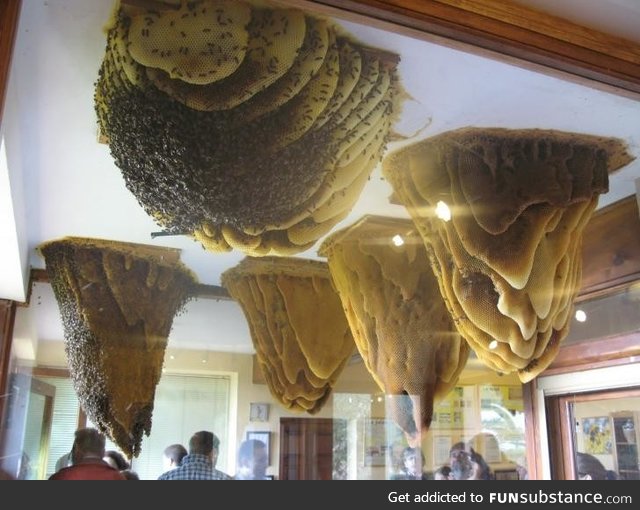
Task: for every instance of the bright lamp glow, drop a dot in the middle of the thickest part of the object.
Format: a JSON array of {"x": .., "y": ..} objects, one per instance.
[
  {"x": 581, "y": 315},
  {"x": 442, "y": 211},
  {"x": 397, "y": 240}
]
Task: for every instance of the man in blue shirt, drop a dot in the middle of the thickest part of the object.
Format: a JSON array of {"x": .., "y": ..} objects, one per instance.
[{"x": 201, "y": 461}]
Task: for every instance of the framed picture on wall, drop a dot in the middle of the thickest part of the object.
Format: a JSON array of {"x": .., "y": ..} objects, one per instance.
[
  {"x": 597, "y": 435},
  {"x": 259, "y": 412},
  {"x": 380, "y": 439},
  {"x": 265, "y": 437}
]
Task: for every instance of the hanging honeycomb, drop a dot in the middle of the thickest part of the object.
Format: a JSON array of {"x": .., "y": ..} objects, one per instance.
[
  {"x": 117, "y": 302},
  {"x": 399, "y": 321},
  {"x": 299, "y": 331},
  {"x": 243, "y": 125},
  {"x": 508, "y": 262}
]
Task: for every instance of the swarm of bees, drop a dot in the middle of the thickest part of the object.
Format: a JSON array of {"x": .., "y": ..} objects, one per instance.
[
  {"x": 242, "y": 125},
  {"x": 117, "y": 303}
]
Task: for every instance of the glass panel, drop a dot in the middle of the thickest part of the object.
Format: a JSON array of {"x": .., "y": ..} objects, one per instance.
[
  {"x": 604, "y": 316},
  {"x": 606, "y": 439},
  {"x": 487, "y": 418}
]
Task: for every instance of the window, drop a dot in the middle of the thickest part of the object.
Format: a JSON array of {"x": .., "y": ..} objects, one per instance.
[{"x": 183, "y": 405}]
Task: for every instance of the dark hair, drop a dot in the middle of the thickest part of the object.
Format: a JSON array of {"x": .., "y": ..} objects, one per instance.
[
  {"x": 413, "y": 452},
  {"x": 130, "y": 475},
  {"x": 587, "y": 464},
  {"x": 247, "y": 449},
  {"x": 87, "y": 441},
  {"x": 443, "y": 470},
  {"x": 118, "y": 458},
  {"x": 203, "y": 442},
  {"x": 175, "y": 452},
  {"x": 462, "y": 458}
]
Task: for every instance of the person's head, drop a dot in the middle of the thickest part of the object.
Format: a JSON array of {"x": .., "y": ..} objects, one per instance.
[
  {"x": 485, "y": 442},
  {"x": 88, "y": 444},
  {"x": 172, "y": 456},
  {"x": 252, "y": 460},
  {"x": 205, "y": 443},
  {"x": 116, "y": 460},
  {"x": 130, "y": 475},
  {"x": 442, "y": 473},
  {"x": 413, "y": 461},
  {"x": 467, "y": 464},
  {"x": 589, "y": 467}
]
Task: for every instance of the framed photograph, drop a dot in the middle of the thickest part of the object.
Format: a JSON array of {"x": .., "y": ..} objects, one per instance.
[
  {"x": 264, "y": 436},
  {"x": 597, "y": 435},
  {"x": 441, "y": 448},
  {"x": 379, "y": 436},
  {"x": 259, "y": 412}
]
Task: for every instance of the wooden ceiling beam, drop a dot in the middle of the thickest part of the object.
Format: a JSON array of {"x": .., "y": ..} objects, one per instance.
[
  {"x": 505, "y": 28},
  {"x": 202, "y": 291}
]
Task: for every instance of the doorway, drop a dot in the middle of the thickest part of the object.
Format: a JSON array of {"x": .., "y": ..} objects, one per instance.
[{"x": 596, "y": 435}]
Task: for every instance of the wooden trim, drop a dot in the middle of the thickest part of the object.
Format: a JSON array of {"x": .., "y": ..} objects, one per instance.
[
  {"x": 611, "y": 248},
  {"x": 7, "y": 319},
  {"x": 603, "y": 352},
  {"x": 531, "y": 431},
  {"x": 51, "y": 372},
  {"x": 202, "y": 290},
  {"x": 9, "y": 14},
  {"x": 555, "y": 436},
  {"x": 515, "y": 31}
]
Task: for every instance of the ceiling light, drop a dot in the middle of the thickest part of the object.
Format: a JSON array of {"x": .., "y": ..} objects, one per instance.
[
  {"x": 581, "y": 315},
  {"x": 442, "y": 211},
  {"x": 397, "y": 240},
  {"x": 493, "y": 344},
  {"x": 172, "y": 357}
]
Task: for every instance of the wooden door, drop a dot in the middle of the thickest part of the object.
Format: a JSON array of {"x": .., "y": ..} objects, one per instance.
[{"x": 306, "y": 448}]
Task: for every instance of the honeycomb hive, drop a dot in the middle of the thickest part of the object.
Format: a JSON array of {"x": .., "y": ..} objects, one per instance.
[
  {"x": 117, "y": 302},
  {"x": 243, "y": 125},
  {"x": 509, "y": 261},
  {"x": 301, "y": 336},
  {"x": 399, "y": 321}
]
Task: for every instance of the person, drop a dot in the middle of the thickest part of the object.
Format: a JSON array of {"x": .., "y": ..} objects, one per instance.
[
  {"x": 413, "y": 465},
  {"x": 63, "y": 461},
  {"x": 590, "y": 468},
  {"x": 116, "y": 460},
  {"x": 172, "y": 456},
  {"x": 487, "y": 445},
  {"x": 200, "y": 463},
  {"x": 252, "y": 460},
  {"x": 443, "y": 473},
  {"x": 467, "y": 464},
  {"x": 87, "y": 456},
  {"x": 129, "y": 474}
]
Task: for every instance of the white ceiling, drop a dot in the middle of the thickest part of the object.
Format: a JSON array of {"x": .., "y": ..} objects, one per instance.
[{"x": 62, "y": 182}]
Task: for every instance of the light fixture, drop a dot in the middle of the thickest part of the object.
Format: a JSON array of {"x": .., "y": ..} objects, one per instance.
[
  {"x": 442, "y": 211},
  {"x": 581, "y": 315},
  {"x": 172, "y": 357},
  {"x": 397, "y": 240},
  {"x": 493, "y": 344}
]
